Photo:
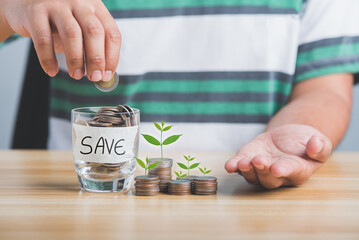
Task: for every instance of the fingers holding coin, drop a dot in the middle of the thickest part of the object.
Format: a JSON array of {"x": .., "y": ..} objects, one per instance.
[
  {"x": 108, "y": 86},
  {"x": 84, "y": 31}
]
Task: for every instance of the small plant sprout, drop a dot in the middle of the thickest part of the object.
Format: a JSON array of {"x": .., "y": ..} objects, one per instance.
[
  {"x": 180, "y": 175},
  {"x": 146, "y": 166},
  {"x": 189, "y": 159},
  {"x": 154, "y": 141},
  {"x": 205, "y": 170}
]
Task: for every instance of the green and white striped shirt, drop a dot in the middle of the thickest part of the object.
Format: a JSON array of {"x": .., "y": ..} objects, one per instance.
[{"x": 218, "y": 69}]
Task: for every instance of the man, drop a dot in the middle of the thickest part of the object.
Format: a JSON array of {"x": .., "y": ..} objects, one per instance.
[{"x": 223, "y": 70}]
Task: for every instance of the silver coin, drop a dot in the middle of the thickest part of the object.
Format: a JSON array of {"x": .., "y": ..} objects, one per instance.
[
  {"x": 147, "y": 178},
  {"x": 123, "y": 108},
  {"x": 164, "y": 163},
  {"x": 99, "y": 124},
  {"x": 109, "y": 119},
  {"x": 205, "y": 178},
  {"x": 108, "y": 86},
  {"x": 189, "y": 177},
  {"x": 129, "y": 109},
  {"x": 180, "y": 182},
  {"x": 120, "y": 116}
]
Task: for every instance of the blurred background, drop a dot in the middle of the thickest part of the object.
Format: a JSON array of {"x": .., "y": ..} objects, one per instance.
[{"x": 12, "y": 68}]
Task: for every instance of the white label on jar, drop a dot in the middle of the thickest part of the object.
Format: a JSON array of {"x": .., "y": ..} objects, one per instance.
[{"x": 103, "y": 144}]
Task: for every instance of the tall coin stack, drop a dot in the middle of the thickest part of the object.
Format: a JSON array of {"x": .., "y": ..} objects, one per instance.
[
  {"x": 163, "y": 171},
  {"x": 147, "y": 185},
  {"x": 179, "y": 187},
  {"x": 205, "y": 185}
]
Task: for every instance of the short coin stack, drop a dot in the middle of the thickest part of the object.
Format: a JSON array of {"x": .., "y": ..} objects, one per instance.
[
  {"x": 179, "y": 187},
  {"x": 163, "y": 171},
  {"x": 190, "y": 178},
  {"x": 205, "y": 185},
  {"x": 147, "y": 185}
]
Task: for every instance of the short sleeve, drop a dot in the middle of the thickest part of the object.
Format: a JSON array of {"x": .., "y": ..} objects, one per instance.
[{"x": 328, "y": 39}]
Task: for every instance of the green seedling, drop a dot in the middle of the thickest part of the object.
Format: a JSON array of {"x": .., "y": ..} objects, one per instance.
[
  {"x": 205, "y": 170},
  {"x": 154, "y": 141},
  {"x": 180, "y": 175},
  {"x": 146, "y": 166},
  {"x": 189, "y": 159}
]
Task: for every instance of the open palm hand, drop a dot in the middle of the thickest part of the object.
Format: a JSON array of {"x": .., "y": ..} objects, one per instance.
[{"x": 285, "y": 156}]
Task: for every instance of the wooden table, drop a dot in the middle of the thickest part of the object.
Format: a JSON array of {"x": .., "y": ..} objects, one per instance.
[{"x": 40, "y": 199}]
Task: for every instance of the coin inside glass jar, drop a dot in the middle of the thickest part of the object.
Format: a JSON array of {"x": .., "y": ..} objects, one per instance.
[{"x": 108, "y": 86}]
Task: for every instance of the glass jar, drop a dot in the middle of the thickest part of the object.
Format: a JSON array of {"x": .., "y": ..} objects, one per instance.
[{"x": 105, "y": 144}]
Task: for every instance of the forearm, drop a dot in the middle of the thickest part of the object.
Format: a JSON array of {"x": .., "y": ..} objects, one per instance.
[
  {"x": 5, "y": 29},
  {"x": 322, "y": 108}
]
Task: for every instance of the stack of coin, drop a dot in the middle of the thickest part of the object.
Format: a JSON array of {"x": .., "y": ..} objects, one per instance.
[
  {"x": 163, "y": 171},
  {"x": 205, "y": 185},
  {"x": 189, "y": 178},
  {"x": 179, "y": 187},
  {"x": 147, "y": 185}
]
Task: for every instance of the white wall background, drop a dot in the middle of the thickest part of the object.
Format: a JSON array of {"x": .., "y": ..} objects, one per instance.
[{"x": 12, "y": 68}]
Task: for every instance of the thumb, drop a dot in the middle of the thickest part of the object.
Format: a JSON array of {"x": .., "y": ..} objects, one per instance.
[{"x": 319, "y": 148}]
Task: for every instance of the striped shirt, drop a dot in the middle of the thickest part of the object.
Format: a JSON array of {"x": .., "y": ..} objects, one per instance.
[{"x": 217, "y": 69}]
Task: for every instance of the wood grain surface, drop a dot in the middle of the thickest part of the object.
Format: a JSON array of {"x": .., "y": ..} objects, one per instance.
[{"x": 40, "y": 199}]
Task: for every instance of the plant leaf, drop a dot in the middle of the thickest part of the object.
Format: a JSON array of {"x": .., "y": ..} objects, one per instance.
[
  {"x": 177, "y": 174},
  {"x": 153, "y": 165},
  {"x": 151, "y": 140},
  {"x": 167, "y": 128},
  {"x": 208, "y": 171},
  {"x": 163, "y": 124},
  {"x": 147, "y": 160},
  {"x": 157, "y": 126},
  {"x": 194, "y": 165},
  {"x": 171, "y": 139},
  {"x": 184, "y": 175},
  {"x": 202, "y": 171},
  {"x": 185, "y": 157},
  {"x": 141, "y": 163},
  {"x": 181, "y": 165},
  {"x": 191, "y": 159}
]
